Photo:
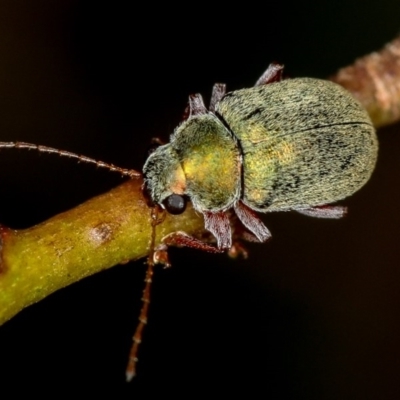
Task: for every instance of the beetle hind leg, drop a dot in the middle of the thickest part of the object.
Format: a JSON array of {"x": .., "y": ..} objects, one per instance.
[
  {"x": 272, "y": 74},
  {"x": 218, "y": 92},
  {"x": 251, "y": 221},
  {"x": 332, "y": 212}
]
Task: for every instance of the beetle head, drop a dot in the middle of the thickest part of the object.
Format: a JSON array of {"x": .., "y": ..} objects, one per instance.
[{"x": 165, "y": 180}]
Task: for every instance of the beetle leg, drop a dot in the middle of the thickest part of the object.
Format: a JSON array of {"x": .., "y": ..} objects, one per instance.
[
  {"x": 181, "y": 239},
  {"x": 219, "y": 225},
  {"x": 333, "y": 212},
  {"x": 218, "y": 92},
  {"x": 250, "y": 220},
  {"x": 196, "y": 105},
  {"x": 160, "y": 255},
  {"x": 272, "y": 74}
]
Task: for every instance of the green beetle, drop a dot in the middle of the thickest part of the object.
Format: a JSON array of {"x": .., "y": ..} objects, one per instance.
[{"x": 297, "y": 144}]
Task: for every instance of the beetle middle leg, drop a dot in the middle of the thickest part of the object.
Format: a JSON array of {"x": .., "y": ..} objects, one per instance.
[{"x": 250, "y": 220}]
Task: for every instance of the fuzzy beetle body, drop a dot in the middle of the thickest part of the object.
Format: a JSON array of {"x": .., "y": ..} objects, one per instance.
[
  {"x": 305, "y": 142},
  {"x": 298, "y": 144}
]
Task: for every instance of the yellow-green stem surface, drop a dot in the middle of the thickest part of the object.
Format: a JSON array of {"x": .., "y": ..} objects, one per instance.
[{"x": 107, "y": 230}]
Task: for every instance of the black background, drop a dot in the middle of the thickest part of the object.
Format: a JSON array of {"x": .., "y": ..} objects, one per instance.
[{"x": 313, "y": 314}]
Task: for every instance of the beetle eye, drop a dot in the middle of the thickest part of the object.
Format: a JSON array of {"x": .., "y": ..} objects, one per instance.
[{"x": 175, "y": 204}]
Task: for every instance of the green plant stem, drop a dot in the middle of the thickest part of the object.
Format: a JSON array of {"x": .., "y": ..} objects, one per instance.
[{"x": 107, "y": 230}]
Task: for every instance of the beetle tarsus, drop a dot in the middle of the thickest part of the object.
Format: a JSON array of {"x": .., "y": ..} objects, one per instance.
[{"x": 160, "y": 255}]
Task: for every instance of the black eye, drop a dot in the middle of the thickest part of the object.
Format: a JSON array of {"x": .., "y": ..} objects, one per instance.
[{"x": 175, "y": 204}]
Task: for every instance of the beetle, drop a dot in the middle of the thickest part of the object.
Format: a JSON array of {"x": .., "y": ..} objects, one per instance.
[{"x": 297, "y": 144}]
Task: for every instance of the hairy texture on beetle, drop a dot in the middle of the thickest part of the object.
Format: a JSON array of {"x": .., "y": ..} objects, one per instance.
[
  {"x": 163, "y": 173},
  {"x": 305, "y": 142},
  {"x": 210, "y": 160},
  {"x": 291, "y": 145}
]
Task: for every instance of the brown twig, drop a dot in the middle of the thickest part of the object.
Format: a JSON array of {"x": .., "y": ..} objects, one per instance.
[{"x": 375, "y": 81}]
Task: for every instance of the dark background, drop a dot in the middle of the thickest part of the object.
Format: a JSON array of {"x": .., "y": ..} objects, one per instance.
[{"x": 313, "y": 314}]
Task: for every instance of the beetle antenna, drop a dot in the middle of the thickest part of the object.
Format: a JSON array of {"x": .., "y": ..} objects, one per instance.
[
  {"x": 63, "y": 153},
  {"x": 137, "y": 337}
]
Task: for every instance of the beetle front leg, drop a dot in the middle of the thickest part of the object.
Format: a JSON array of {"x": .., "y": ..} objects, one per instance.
[
  {"x": 219, "y": 225},
  {"x": 182, "y": 239}
]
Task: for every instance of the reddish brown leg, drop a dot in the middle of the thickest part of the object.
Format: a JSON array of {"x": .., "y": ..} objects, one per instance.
[
  {"x": 219, "y": 225},
  {"x": 250, "y": 220},
  {"x": 333, "y": 212},
  {"x": 160, "y": 255},
  {"x": 272, "y": 74},
  {"x": 196, "y": 105},
  {"x": 181, "y": 239},
  {"x": 218, "y": 92},
  {"x": 240, "y": 234}
]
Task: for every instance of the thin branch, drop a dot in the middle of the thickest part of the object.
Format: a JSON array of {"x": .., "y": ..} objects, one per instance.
[{"x": 375, "y": 80}]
